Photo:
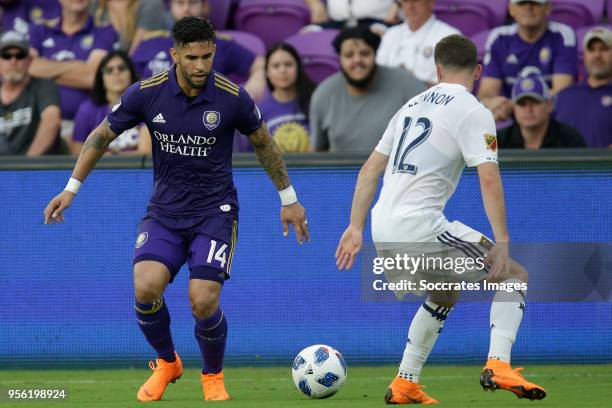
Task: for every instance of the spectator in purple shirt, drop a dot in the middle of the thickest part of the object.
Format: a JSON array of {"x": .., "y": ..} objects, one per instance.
[
  {"x": 587, "y": 106},
  {"x": 115, "y": 73},
  {"x": 151, "y": 56},
  {"x": 17, "y": 15},
  {"x": 285, "y": 109},
  {"x": 533, "y": 45},
  {"x": 534, "y": 128},
  {"x": 68, "y": 50}
]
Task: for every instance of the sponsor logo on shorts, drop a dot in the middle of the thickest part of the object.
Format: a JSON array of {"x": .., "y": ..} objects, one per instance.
[
  {"x": 142, "y": 239},
  {"x": 485, "y": 243}
]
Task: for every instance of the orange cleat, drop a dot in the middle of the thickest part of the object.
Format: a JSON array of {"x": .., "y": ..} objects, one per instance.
[
  {"x": 163, "y": 374},
  {"x": 402, "y": 391},
  {"x": 498, "y": 374},
  {"x": 213, "y": 387}
]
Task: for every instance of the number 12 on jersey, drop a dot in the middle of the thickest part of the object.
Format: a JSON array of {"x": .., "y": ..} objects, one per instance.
[{"x": 400, "y": 164}]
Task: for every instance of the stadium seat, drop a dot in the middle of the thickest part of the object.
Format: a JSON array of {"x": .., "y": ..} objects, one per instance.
[
  {"x": 580, "y": 33},
  {"x": 577, "y": 13},
  {"x": 318, "y": 55},
  {"x": 272, "y": 20},
  {"x": 219, "y": 13},
  {"x": 469, "y": 18},
  {"x": 248, "y": 41},
  {"x": 497, "y": 10},
  {"x": 480, "y": 40}
]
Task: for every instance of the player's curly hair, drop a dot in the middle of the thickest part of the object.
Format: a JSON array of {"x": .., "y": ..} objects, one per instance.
[{"x": 192, "y": 29}]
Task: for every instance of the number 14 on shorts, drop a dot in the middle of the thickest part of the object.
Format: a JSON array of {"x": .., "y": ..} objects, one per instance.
[{"x": 217, "y": 254}]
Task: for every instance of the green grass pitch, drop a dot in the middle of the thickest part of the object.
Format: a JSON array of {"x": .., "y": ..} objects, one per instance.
[{"x": 455, "y": 386}]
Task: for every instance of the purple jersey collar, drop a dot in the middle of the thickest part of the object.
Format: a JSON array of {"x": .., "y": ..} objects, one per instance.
[
  {"x": 86, "y": 28},
  {"x": 206, "y": 94}
]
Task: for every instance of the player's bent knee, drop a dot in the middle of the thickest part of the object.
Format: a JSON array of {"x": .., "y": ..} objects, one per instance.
[
  {"x": 204, "y": 297},
  {"x": 204, "y": 305},
  {"x": 150, "y": 281},
  {"x": 446, "y": 298}
]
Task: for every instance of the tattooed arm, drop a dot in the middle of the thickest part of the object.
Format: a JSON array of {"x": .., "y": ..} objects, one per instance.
[
  {"x": 270, "y": 157},
  {"x": 93, "y": 149}
]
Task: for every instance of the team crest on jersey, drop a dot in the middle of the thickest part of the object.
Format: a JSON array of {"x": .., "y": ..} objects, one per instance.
[
  {"x": 87, "y": 42},
  {"x": 211, "y": 119},
  {"x": 491, "y": 142},
  {"x": 545, "y": 55},
  {"x": 142, "y": 238},
  {"x": 606, "y": 100}
]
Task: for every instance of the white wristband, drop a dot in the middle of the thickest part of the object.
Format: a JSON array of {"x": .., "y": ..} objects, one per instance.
[
  {"x": 288, "y": 196},
  {"x": 73, "y": 185}
]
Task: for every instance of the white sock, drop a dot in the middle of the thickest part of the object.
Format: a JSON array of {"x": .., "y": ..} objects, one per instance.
[
  {"x": 506, "y": 315},
  {"x": 426, "y": 325}
]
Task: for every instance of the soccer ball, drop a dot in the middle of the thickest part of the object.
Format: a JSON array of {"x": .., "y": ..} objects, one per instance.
[{"x": 319, "y": 371}]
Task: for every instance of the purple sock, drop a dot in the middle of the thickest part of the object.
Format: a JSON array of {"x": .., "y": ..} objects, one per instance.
[
  {"x": 154, "y": 321},
  {"x": 211, "y": 334}
]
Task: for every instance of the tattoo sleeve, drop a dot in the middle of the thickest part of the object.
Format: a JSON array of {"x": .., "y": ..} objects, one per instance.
[
  {"x": 93, "y": 149},
  {"x": 270, "y": 157}
]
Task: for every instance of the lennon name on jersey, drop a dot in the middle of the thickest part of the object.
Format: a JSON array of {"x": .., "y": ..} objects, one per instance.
[
  {"x": 437, "y": 98},
  {"x": 185, "y": 145}
]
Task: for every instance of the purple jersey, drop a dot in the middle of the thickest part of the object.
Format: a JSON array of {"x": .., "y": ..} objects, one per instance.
[
  {"x": 589, "y": 110},
  {"x": 152, "y": 56},
  {"x": 507, "y": 54},
  {"x": 52, "y": 43},
  {"x": 192, "y": 143},
  {"x": 19, "y": 15},
  {"x": 284, "y": 120},
  {"x": 90, "y": 115}
]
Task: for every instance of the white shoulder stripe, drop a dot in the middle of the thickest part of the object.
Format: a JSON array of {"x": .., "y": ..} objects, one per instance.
[
  {"x": 568, "y": 34},
  {"x": 496, "y": 32}
]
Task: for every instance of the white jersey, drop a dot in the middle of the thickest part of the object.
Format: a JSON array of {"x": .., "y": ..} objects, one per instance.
[{"x": 429, "y": 142}]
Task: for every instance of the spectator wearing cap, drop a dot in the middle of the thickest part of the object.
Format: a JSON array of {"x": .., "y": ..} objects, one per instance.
[
  {"x": 152, "y": 55},
  {"x": 533, "y": 45},
  {"x": 587, "y": 106},
  {"x": 411, "y": 45},
  {"x": 68, "y": 50},
  {"x": 350, "y": 110},
  {"x": 534, "y": 127},
  {"x": 29, "y": 108}
]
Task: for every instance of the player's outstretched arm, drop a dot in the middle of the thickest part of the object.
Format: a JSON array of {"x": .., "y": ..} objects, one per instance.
[
  {"x": 492, "y": 191},
  {"x": 271, "y": 158},
  {"x": 93, "y": 149},
  {"x": 367, "y": 182}
]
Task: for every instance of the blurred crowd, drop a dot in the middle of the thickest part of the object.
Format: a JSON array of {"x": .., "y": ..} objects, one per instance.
[{"x": 327, "y": 75}]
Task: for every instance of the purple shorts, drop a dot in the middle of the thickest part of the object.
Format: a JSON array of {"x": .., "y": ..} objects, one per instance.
[{"x": 208, "y": 247}]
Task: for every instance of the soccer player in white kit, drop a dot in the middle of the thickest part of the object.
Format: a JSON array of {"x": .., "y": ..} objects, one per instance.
[{"x": 423, "y": 152}]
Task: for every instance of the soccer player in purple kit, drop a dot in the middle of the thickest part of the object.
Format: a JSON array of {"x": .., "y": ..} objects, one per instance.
[{"x": 191, "y": 112}]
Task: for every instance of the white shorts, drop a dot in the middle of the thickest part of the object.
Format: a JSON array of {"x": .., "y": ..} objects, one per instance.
[{"x": 456, "y": 255}]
